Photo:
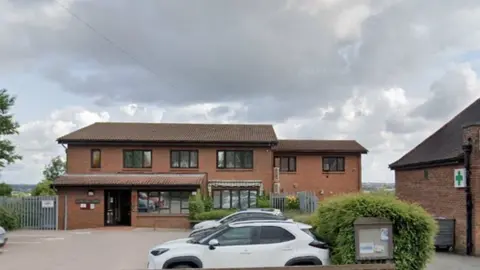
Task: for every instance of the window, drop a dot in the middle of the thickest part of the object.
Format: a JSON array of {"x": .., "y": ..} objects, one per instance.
[
  {"x": 137, "y": 158},
  {"x": 235, "y": 159},
  {"x": 163, "y": 202},
  {"x": 95, "y": 159},
  {"x": 286, "y": 164},
  {"x": 184, "y": 159},
  {"x": 333, "y": 164},
  {"x": 234, "y": 198},
  {"x": 237, "y": 236},
  {"x": 273, "y": 235}
]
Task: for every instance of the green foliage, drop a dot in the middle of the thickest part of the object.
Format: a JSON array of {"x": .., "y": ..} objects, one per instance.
[
  {"x": 263, "y": 201},
  {"x": 52, "y": 171},
  {"x": 5, "y": 189},
  {"x": 195, "y": 206},
  {"x": 413, "y": 228},
  {"x": 8, "y": 126},
  {"x": 208, "y": 203},
  {"x": 214, "y": 214},
  {"x": 292, "y": 202},
  {"x": 9, "y": 220}
]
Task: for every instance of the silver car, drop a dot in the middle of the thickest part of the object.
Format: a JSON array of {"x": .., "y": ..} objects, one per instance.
[{"x": 3, "y": 237}]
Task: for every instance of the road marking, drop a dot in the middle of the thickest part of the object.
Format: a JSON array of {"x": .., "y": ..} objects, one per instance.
[
  {"x": 10, "y": 242},
  {"x": 81, "y": 232},
  {"x": 54, "y": 238},
  {"x": 31, "y": 235}
]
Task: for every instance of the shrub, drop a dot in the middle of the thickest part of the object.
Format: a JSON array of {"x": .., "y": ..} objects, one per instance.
[
  {"x": 214, "y": 214},
  {"x": 195, "y": 206},
  {"x": 8, "y": 220},
  {"x": 292, "y": 203},
  {"x": 413, "y": 228},
  {"x": 208, "y": 203},
  {"x": 263, "y": 202}
]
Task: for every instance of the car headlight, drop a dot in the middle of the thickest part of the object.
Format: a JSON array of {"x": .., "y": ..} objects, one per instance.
[{"x": 158, "y": 251}]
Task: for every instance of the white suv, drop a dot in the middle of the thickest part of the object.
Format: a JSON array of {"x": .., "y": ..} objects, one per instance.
[
  {"x": 239, "y": 214},
  {"x": 246, "y": 244}
]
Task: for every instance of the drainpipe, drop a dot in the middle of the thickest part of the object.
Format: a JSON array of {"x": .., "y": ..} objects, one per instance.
[{"x": 467, "y": 149}]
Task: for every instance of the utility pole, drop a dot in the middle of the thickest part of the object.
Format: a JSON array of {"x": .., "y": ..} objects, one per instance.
[{"x": 467, "y": 150}]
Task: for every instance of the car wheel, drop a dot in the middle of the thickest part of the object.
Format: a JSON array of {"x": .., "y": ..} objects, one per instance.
[{"x": 181, "y": 266}]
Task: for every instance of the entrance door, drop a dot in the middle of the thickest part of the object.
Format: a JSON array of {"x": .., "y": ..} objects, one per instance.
[{"x": 117, "y": 207}]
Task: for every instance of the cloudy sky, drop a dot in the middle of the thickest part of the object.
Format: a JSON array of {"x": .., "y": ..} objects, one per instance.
[{"x": 384, "y": 72}]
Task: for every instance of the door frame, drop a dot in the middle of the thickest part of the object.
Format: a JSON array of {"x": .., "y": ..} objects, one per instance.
[{"x": 117, "y": 194}]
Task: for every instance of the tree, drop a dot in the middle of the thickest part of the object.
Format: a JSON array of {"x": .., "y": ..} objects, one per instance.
[
  {"x": 5, "y": 189},
  {"x": 8, "y": 126},
  {"x": 52, "y": 171}
]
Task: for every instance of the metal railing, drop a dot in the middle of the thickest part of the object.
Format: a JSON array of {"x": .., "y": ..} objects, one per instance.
[
  {"x": 34, "y": 213},
  {"x": 307, "y": 201}
]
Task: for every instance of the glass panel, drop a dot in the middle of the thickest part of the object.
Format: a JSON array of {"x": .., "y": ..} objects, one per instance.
[
  {"x": 341, "y": 164},
  {"x": 128, "y": 159},
  {"x": 235, "y": 199},
  {"x": 193, "y": 159},
  {"x": 230, "y": 159},
  {"x": 164, "y": 202},
  {"x": 244, "y": 199},
  {"x": 175, "y": 162},
  {"x": 153, "y": 201},
  {"x": 226, "y": 199},
  {"x": 175, "y": 205},
  {"x": 253, "y": 198},
  {"x": 142, "y": 202},
  {"x": 216, "y": 199},
  {"x": 248, "y": 160},
  {"x": 293, "y": 164},
  {"x": 147, "y": 159},
  {"x": 137, "y": 159},
  {"x": 185, "y": 196},
  {"x": 236, "y": 236},
  {"x": 184, "y": 159},
  {"x": 96, "y": 158},
  {"x": 284, "y": 164},
  {"x": 239, "y": 159},
  {"x": 221, "y": 159}
]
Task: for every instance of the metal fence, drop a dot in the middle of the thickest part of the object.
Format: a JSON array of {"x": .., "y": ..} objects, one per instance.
[
  {"x": 34, "y": 213},
  {"x": 307, "y": 201}
]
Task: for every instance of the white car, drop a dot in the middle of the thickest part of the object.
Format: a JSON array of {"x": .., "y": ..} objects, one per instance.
[
  {"x": 3, "y": 238},
  {"x": 245, "y": 244},
  {"x": 215, "y": 223}
]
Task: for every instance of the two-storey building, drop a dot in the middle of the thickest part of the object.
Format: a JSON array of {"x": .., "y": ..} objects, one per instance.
[{"x": 142, "y": 174}]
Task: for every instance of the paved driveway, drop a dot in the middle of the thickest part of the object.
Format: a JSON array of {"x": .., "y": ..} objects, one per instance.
[{"x": 120, "y": 249}]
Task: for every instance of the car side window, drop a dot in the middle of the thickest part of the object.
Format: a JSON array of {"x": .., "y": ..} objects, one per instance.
[
  {"x": 273, "y": 235},
  {"x": 233, "y": 217},
  {"x": 237, "y": 236}
]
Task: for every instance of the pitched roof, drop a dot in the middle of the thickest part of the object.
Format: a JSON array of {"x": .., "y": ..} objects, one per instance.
[
  {"x": 128, "y": 179},
  {"x": 443, "y": 145},
  {"x": 325, "y": 146},
  {"x": 170, "y": 132}
]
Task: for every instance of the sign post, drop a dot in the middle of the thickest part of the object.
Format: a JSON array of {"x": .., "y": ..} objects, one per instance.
[{"x": 459, "y": 178}]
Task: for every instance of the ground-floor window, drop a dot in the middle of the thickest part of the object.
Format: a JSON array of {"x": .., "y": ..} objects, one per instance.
[
  {"x": 163, "y": 202},
  {"x": 234, "y": 198}
]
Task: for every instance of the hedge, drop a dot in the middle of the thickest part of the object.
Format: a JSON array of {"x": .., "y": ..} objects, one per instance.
[
  {"x": 214, "y": 214},
  {"x": 8, "y": 220},
  {"x": 196, "y": 206},
  {"x": 413, "y": 228}
]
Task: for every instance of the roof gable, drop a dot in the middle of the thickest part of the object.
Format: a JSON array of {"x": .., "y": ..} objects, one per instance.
[
  {"x": 443, "y": 145},
  {"x": 171, "y": 132}
]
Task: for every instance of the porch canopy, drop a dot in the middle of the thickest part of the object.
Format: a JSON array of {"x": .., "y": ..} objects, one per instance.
[{"x": 122, "y": 179}]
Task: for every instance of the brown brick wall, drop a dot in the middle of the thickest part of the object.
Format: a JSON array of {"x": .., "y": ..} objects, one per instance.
[
  {"x": 80, "y": 218},
  {"x": 436, "y": 194},
  {"x": 309, "y": 175}
]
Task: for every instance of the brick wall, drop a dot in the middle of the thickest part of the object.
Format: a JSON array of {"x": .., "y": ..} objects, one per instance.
[
  {"x": 80, "y": 218},
  {"x": 310, "y": 176}
]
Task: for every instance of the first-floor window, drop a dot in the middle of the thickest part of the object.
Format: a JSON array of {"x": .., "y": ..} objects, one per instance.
[
  {"x": 234, "y": 159},
  {"x": 234, "y": 198},
  {"x": 286, "y": 164},
  {"x": 137, "y": 158},
  {"x": 163, "y": 202},
  {"x": 334, "y": 164}
]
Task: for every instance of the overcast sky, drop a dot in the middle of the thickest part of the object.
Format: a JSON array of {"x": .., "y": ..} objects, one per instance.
[{"x": 386, "y": 73}]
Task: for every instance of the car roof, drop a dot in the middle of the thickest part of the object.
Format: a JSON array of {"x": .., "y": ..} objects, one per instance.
[
  {"x": 269, "y": 222},
  {"x": 265, "y": 210}
]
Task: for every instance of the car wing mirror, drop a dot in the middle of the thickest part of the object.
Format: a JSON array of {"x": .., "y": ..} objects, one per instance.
[{"x": 213, "y": 243}]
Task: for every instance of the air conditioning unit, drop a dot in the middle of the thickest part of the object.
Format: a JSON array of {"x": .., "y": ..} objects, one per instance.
[
  {"x": 326, "y": 167},
  {"x": 276, "y": 188},
  {"x": 276, "y": 174}
]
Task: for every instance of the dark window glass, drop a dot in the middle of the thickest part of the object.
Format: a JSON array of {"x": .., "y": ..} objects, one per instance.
[
  {"x": 239, "y": 159},
  {"x": 334, "y": 164},
  {"x": 165, "y": 202},
  {"x": 272, "y": 235},
  {"x": 137, "y": 158},
  {"x": 237, "y": 236},
  {"x": 217, "y": 199},
  {"x": 234, "y": 198},
  {"x": 96, "y": 158},
  {"x": 286, "y": 164},
  {"x": 184, "y": 159}
]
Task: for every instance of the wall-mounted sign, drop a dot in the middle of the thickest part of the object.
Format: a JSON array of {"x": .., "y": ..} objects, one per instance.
[
  {"x": 459, "y": 178},
  {"x": 48, "y": 204},
  {"x": 85, "y": 201}
]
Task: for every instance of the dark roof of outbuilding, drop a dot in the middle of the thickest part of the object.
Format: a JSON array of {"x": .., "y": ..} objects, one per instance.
[
  {"x": 324, "y": 146},
  {"x": 443, "y": 145}
]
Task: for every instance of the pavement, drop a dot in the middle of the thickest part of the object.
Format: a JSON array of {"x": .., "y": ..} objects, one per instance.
[{"x": 121, "y": 248}]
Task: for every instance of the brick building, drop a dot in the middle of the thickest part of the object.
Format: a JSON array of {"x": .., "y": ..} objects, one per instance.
[
  {"x": 426, "y": 174},
  {"x": 140, "y": 174}
]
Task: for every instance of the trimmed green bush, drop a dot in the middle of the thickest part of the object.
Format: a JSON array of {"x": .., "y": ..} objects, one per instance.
[
  {"x": 413, "y": 228},
  {"x": 195, "y": 207},
  {"x": 208, "y": 203},
  {"x": 8, "y": 220},
  {"x": 214, "y": 214},
  {"x": 263, "y": 202}
]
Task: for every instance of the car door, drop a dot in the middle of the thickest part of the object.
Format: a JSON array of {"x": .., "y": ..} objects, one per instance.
[
  {"x": 233, "y": 250},
  {"x": 274, "y": 247}
]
